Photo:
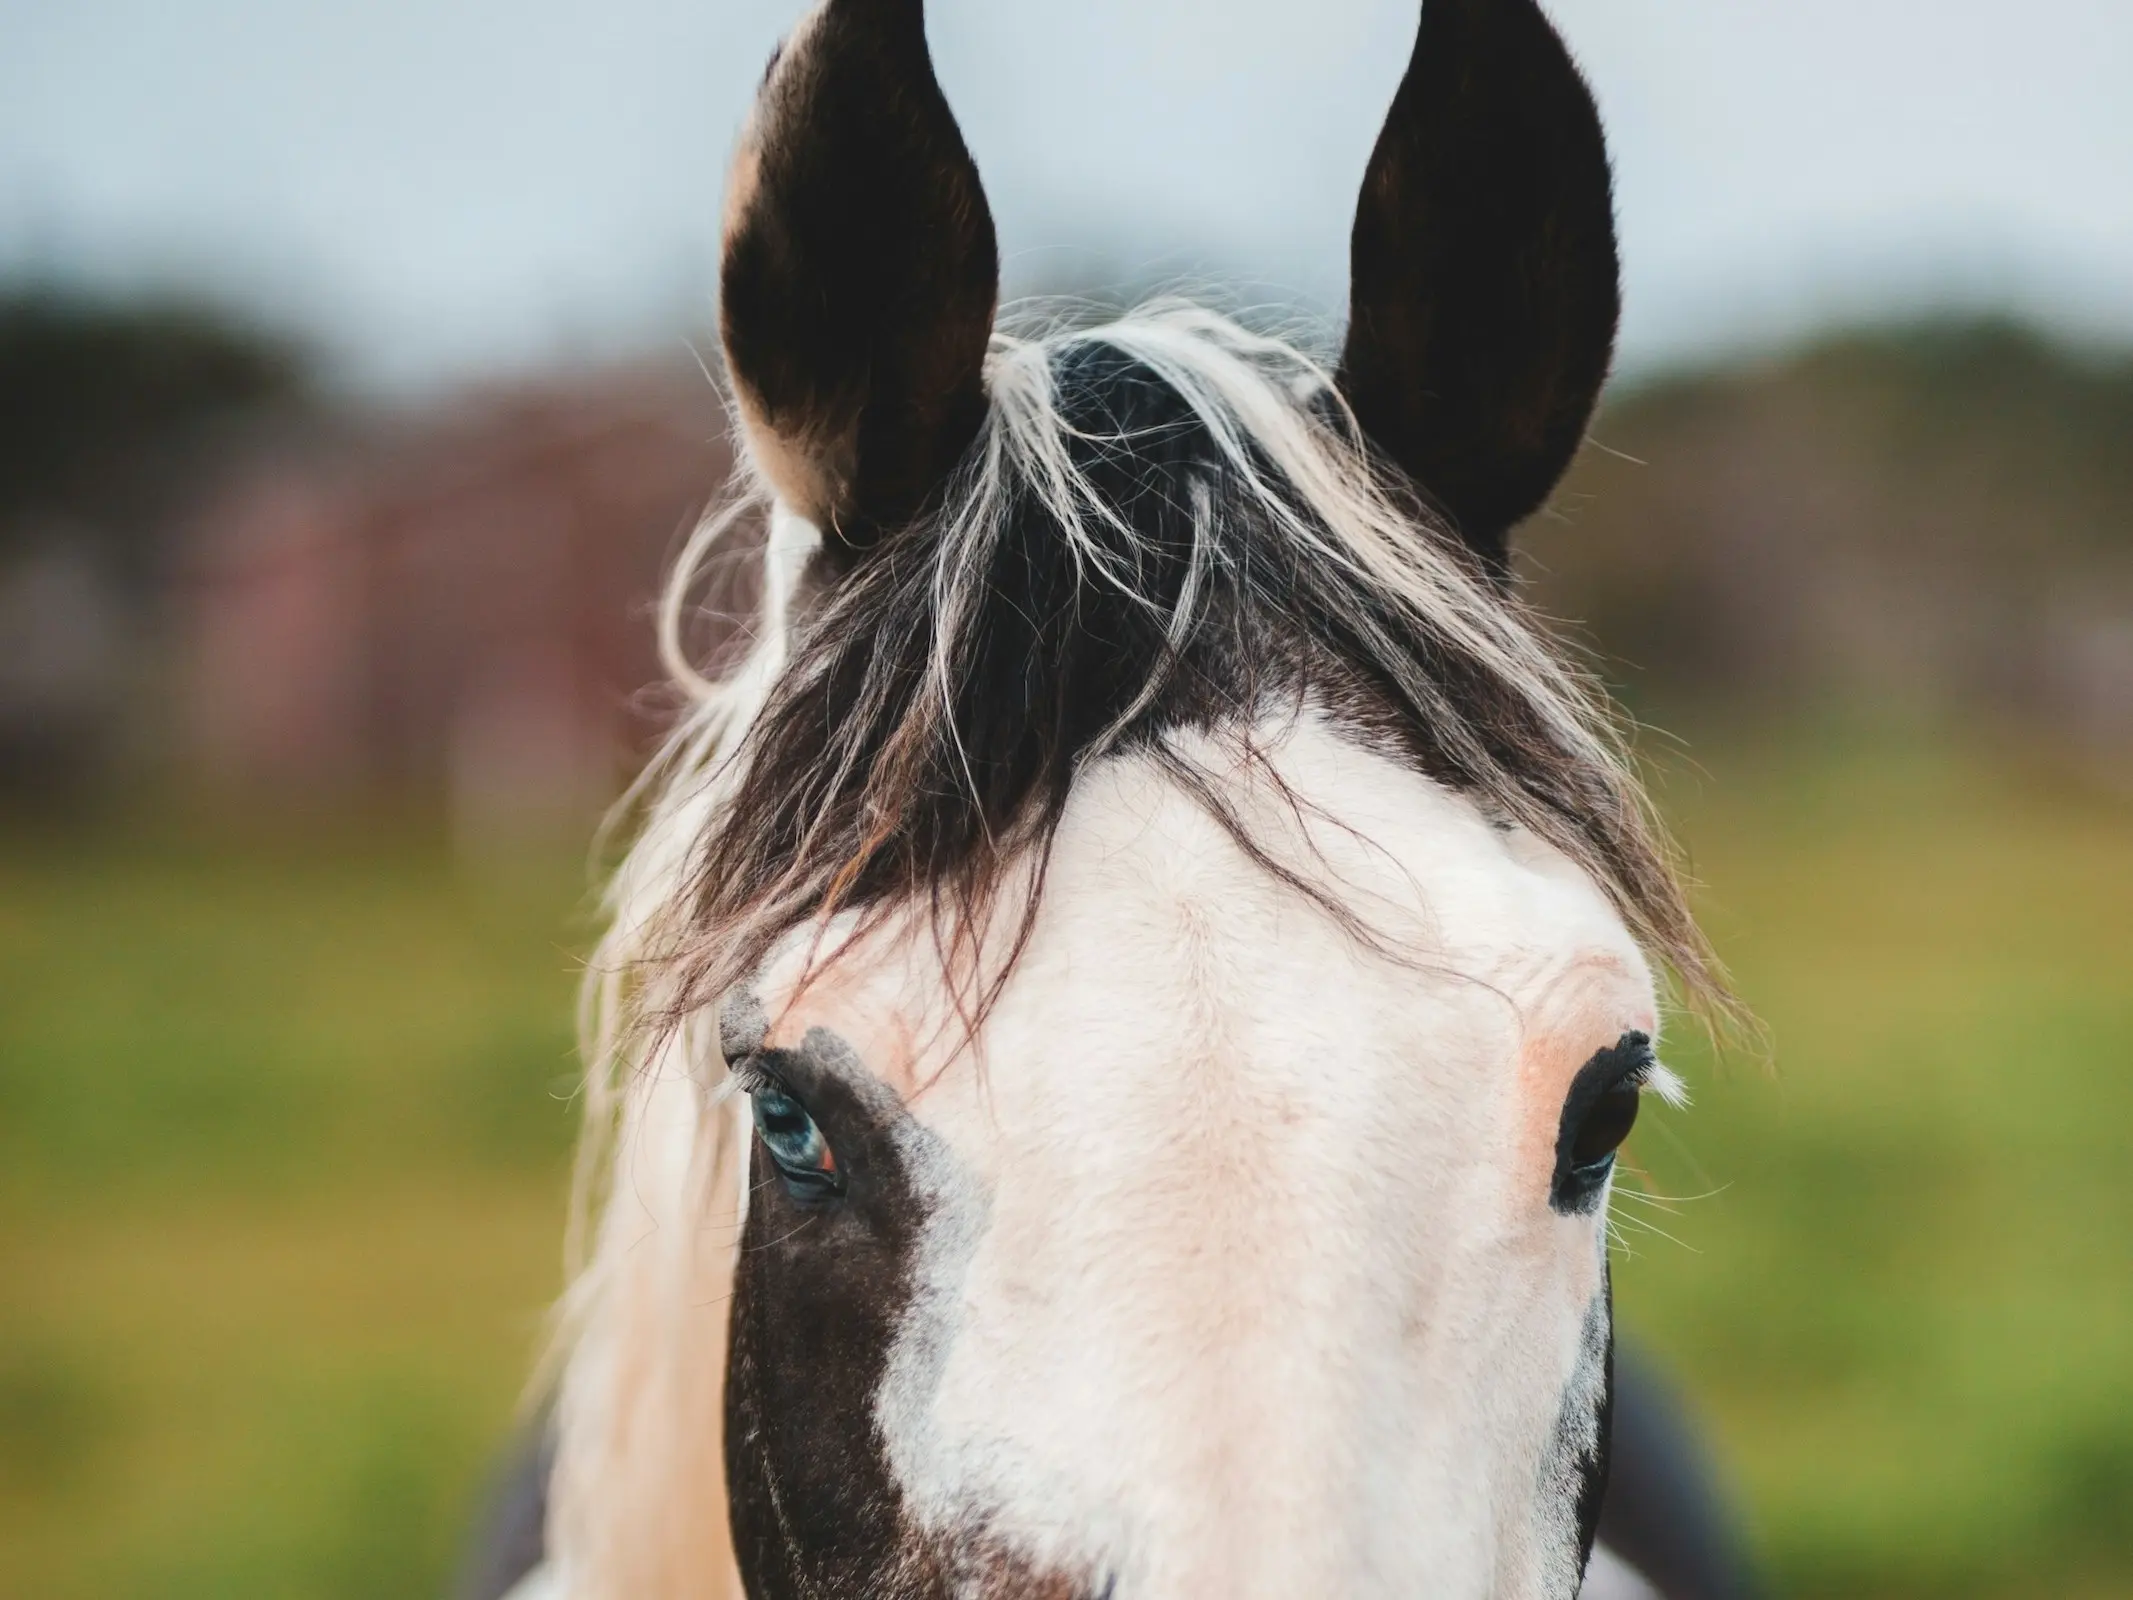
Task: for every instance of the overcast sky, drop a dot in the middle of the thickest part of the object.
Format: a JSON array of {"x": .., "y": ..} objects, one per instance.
[{"x": 442, "y": 187}]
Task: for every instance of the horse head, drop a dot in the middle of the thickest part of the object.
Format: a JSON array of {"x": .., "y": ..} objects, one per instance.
[{"x": 1123, "y": 1009}]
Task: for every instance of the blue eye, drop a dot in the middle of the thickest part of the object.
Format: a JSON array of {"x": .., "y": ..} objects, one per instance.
[{"x": 795, "y": 1144}]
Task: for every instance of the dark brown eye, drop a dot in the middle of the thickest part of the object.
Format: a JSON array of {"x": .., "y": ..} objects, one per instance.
[
  {"x": 1598, "y": 1113},
  {"x": 1606, "y": 1124}
]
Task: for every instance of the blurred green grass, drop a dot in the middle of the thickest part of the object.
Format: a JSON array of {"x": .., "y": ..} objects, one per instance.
[
  {"x": 283, "y": 1137},
  {"x": 282, "y": 1148},
  {"x": 1900, "y": 1263}
]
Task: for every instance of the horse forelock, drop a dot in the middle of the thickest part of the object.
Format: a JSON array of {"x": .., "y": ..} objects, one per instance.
[{"x": 1166, "y": 523}]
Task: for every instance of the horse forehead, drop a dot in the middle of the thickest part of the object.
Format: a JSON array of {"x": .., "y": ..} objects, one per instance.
[
  {"x": 1437, "y": 894},
  {"x": 1156, "y": 923}
]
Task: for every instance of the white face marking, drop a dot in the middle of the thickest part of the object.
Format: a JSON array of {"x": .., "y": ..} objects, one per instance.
[{"x": 1241, "y": 1276}]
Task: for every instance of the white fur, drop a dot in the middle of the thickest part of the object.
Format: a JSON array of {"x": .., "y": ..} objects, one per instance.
[
  {"x": 1611, "y": 1578},
  {"x": 1242, "y": 1277}
]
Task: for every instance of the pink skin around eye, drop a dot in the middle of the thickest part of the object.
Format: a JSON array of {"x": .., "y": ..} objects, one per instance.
[
  {"x": 860, "y": 1007},
  {"x": 1560, "y": 1043}
]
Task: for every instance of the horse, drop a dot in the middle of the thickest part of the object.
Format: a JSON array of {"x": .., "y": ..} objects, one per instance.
[{"x": 1107, "y": 1062}]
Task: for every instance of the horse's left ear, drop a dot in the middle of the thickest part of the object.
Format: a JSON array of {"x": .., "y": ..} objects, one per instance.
[
  {"x": 859, "y": 273},
  {"x": 1485, "y": 284}
]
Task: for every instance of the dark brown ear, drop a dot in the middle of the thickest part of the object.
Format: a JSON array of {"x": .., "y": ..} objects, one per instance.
[
  {"x": 1485, "y": 290},
  {"x": 859, "y": 273}
]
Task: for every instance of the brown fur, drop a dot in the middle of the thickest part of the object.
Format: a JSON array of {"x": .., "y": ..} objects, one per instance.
[
  {"x": 1485, "y": 282},
  {"x": 859, "y": 272}
]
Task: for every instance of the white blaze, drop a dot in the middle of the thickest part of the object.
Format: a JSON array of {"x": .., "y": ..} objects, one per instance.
[{"x": 1241, "y": 1276}]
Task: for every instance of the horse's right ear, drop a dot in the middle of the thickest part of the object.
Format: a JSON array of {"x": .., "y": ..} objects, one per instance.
[{"x": 859, "y": 273}]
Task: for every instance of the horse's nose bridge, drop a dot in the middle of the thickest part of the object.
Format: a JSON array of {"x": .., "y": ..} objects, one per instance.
[
  {"x": 1230, "y": 1335},
  {"x": 1193, "y": 1308}
]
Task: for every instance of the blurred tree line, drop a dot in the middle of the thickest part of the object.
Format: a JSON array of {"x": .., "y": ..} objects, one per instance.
[
  {"x": 112, "y": 416},
  {"x": 106, "y": 409},
  {"x": 1933, "y": 520}
]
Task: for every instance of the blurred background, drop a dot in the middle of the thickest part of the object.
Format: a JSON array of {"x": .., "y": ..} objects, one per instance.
[{"x": 354, "y": 388}]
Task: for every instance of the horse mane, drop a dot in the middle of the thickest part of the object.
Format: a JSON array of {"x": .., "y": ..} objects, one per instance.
[{"x": 1166, "y": 523}]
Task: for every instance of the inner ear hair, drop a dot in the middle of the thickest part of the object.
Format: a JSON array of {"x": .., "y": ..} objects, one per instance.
[
  {"x": 859, "y": 273},
  {"x": 1485, "y": 288}
]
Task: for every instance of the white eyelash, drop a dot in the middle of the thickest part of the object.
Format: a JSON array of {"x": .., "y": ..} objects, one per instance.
[
  {"x": 1667, "y": 1084},
  {"x": 743, "y": 1077}
]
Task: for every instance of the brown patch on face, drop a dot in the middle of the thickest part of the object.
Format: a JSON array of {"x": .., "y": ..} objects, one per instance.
[{"x": 823, "y": 1285}]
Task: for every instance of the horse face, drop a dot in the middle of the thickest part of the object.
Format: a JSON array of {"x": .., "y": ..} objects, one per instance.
[{"x": 1237, "y": 1255}]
